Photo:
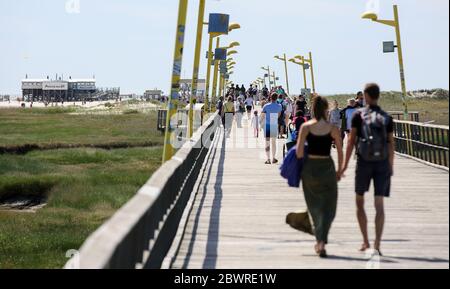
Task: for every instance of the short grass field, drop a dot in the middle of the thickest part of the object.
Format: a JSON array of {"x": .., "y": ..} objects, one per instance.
[
  {"x": 430, "y": 109},
  {"x": 82, "y": 186},
  {"x": 45, "y": 127}
]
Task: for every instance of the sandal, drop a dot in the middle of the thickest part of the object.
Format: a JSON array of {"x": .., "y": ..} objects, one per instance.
[
  {"x": 268, "y": 162},
  {"x": 323, "y": 254}
]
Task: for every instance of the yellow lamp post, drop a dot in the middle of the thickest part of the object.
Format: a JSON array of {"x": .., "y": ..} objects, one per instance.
[
  {"x": 215, "y": 77},
  {"x": 231, "y": 27},
  {"x": 216, "y": 68},
  {"x": 172, "y": 105},
  {"x": 301, "y": 61},
  {"x": 311, "y": 67},
  {"x": 284, "y": 59},
  {"x": 274, "y": 77},
  {"x": 198, "y": 47},
  {"x": 396, "y": 24},
  {"x": 268, "y": 74}
]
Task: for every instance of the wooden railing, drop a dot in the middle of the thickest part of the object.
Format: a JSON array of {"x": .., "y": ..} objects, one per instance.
[
  {"x": 412, "y": 115},
  {"x": 425, "y": 142},
  {"x": 140, "y": 234}
]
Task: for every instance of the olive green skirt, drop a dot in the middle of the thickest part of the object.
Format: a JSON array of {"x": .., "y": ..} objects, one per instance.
[{"x": 321, "y": 194}]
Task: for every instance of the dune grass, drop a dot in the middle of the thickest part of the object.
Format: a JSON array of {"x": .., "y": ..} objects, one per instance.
[
  {"x": 82, "y": 186},
  {"x": 58, "y": 125},
  {"x": 430, "y": 109}
]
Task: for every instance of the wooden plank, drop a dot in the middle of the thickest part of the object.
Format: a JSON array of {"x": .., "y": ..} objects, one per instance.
[{"x": 238, "y": 214}]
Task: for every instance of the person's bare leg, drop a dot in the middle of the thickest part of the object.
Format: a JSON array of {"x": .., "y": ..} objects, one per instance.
[
  {"x": 274, "y": 150},
  {"x": 362, "y": 221},
  {"x": 379, "y": 221},
  {"x": 268, "y": 150}
]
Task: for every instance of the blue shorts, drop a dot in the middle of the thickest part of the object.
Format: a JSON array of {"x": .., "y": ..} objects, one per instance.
[
  {"x": 379, "y": 172},
  {"x": 271, "y": 131}
]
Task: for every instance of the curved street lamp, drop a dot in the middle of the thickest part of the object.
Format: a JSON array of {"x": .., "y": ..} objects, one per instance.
[
  {"x": 231, "y": 27},
  {"x": 284, "y": 59},
  {"x": 300, "y": 60},
  {"x": 268, "y": 74},
  {"x": 396, "y": 24}
]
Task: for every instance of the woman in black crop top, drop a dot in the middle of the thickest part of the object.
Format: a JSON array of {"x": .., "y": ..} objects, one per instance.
[{"x": 319, "y": 175}]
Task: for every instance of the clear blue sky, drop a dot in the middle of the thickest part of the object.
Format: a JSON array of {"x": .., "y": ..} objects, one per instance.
[{"x": 130, "y": 43}]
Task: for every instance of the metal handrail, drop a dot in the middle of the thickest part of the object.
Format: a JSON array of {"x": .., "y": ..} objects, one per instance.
[{"x": 426, "y": 142}]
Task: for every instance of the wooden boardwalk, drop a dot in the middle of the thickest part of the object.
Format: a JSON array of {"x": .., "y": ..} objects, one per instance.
[{"x": 236, "y": 217}]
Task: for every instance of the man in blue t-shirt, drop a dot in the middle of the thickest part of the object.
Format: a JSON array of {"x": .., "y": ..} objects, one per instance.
[{"x": 271, "y": 114}]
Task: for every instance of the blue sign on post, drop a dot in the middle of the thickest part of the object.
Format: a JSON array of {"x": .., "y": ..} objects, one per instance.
[
  {"x": 218, "y": 23},
  {"x": 388, "y": 46},
  {"x": 223, "y": 67},
  {"x": 220, "y": 54}
]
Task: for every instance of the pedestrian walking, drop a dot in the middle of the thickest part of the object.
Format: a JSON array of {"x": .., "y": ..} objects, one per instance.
[
  {"x": 319, "y": 175},
  {"x": 346, "y": 116},
  {"x": 270, "y": 115},
  {"x": 256, "y": 124},
  {"x": 373, "y": 135},
  {"x": 334, "y": 116},
  {"x": 359, "y": 100},
  {"x": 249, "y": 105},
  {"x": 239, "y": 110},
  {"x": 228, "y": 116}
]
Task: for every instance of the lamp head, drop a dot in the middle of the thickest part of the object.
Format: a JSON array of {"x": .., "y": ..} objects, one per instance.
[
  {"x": 231, "y": 52},
  {"x": 234, "y": 44},
  {"x": 298, "y": 57},
  {"x": 233, "y": 26},
  {"x": 370, "y": 16}
]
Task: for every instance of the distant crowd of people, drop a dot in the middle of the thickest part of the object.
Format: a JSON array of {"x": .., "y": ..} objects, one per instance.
[{"x": 314, "y": 130}]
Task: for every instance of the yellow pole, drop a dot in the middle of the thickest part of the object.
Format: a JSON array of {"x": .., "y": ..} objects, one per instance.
[
  {"x": 215, "y": 76},
  {"x": 208, "y": 72},
  {"x": 220, "y": 84},
  {"x": 198, "y": 48},
  {"x": 400, "y": 60},
  {"x": 274, "y": 79},
  {"x": 224, "y": 84},
  {"x": 304, "y": 72},
  {"x": 287, "y": 75},
  {"x": 312, "y": 73},
  {"x": 176, "y": 75}
]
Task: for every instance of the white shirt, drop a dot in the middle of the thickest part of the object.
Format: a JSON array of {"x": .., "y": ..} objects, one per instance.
[
  {"x": 255, "y": 122},
  {"x": 249, "y": 101}
]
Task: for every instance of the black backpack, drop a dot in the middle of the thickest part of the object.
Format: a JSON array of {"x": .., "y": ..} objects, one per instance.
[{"x": 372, "y": 145}]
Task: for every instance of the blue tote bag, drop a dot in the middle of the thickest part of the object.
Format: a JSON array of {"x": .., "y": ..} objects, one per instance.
[{"x": 291, "y": 168}]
